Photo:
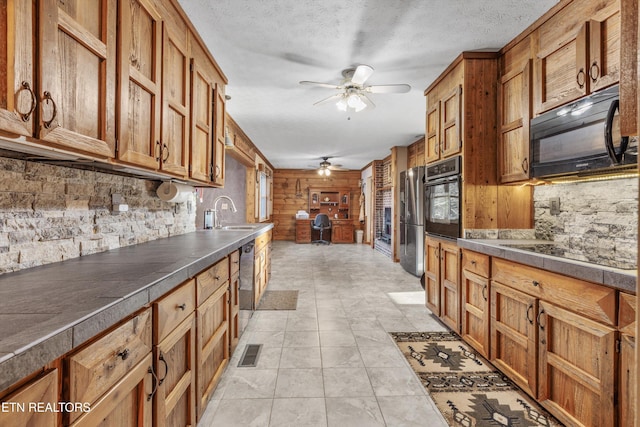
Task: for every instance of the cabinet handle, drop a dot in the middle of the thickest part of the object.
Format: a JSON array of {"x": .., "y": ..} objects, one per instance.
[
  {"x": 165, "y": 148},
  {"x": 525, "y": 165},
  {"x": 236, "y": 262},
  {"x": 182, "y": 306},
  {"x": 166, "y": 369},
  {"x": 47, "y": 98},
  {"x": 594, "y": 71},
  {"x": 540, "y": 325},
  {"x": 437, "y": 148},
  {"x": 530, "y": 308},
  {"x": 157, "y": 151},
  {"x": 124, "y": 354},
  {"x": 25, "y": 86},
  {"x": 535, "y": 283},
  {"x": 580, "y": 77},
  {"x": 217, "y": 171},
  {"x": 155, "y": 383},
  {"x": 484, "y": 296}
]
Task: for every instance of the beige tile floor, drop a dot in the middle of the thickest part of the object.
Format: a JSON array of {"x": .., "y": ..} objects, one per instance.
[{"x": 331, "y": 362}]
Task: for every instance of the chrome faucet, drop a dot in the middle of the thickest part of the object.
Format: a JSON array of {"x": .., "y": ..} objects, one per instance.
[{"x": 216, "y": 213}]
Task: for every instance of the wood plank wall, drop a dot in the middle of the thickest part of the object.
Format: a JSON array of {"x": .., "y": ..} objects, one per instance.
[{"x": 286, "y": 203}]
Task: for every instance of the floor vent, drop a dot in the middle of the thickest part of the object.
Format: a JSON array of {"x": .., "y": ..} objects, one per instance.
[{"x": 250, "y": 356}]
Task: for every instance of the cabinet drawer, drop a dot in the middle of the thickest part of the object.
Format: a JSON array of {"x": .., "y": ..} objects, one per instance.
[
  {"x": 627, "y": 314},
  {"x": 475, "y": 263},
  {"x": 98, "y": 366},
  {"x": 172, "y": 309},
  {"x": 589, "y": 299},
  {"x": 234, "y": 262},
  {"x": 262, "y": 240},
  {"x": 212, "y": 278}
]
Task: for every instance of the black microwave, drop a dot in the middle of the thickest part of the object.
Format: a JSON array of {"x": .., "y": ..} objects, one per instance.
[{"x": 582, "y": 137}]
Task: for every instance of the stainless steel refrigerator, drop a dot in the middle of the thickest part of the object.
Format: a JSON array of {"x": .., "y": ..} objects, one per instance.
[{"x": 412, "y": 220}]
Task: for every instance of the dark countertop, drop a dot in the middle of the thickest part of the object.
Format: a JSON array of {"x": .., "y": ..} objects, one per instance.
[
  {"x": 620, "y": 279},
  {"x": 49, "y": 310}
]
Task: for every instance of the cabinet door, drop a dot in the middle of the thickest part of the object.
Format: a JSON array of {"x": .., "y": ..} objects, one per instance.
[
  {"x": 604, "y": 52},
  {"x": 78, "y": 80},
  {"x": 234, "y": 312},
  {"x": 128, "y": 403},
  {"x": 475, "y": 311},
  {"x": 202, "y": 130},
  {"x": 450, "y": 122},
  {"x": 43, "y": 390},
  {"x": 514, "y": 115},
  {"x": 218, "y": 146},
  {"x": 18, "y": 100},
  {"x": 450, "y": 285},
  {"x": 140, "y": 73},
  {"x": 432, "y": 275},
  {"x": 514, "y": 335},
  {"x": 175, "y": 100},
  {"x": 626, "y": 388},
  {"x": 175, "y": 400},
  {"x": 213, "y": 343},
  {"x": 432, "y": 140},
  {"x": 576, "y": 367},
  {"x": 561, "y": 65}
]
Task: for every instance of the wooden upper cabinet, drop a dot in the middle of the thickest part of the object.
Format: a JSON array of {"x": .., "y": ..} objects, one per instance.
[
  {"x": 432, "y": 137},
  {"x": 175, "y": 99},
  {"x": 514, "y": 114},
  {"x": 450, "y": 120},
  {"x": 578, "y": 52},
  {"x": 140, "y": 73},
  {"x": 77, "y": 79},
  {"x": 202, "y": 129},
  {"x": 18, "y": 99},
  {"x": 218, "y": 172}
]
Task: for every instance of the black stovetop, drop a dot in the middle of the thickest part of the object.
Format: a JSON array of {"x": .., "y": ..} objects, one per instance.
[{"x": 564, "y": 252}]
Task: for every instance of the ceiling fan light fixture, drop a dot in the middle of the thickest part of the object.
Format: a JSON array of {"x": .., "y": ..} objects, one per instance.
[
  {"x": 342, "y": 104},
  {"x": 327, "y": 172}
]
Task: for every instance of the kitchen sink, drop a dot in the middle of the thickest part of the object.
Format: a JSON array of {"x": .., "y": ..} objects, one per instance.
[{"x": 242, "y": 227}]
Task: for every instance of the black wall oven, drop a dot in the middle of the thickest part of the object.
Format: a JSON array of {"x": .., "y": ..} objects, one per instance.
[{"x": 442, "y": 190}]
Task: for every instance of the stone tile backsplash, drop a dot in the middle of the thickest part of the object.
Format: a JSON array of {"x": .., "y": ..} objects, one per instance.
[
  {"x": 598, "y": 219},
  {"x": 52, "y": 213}
]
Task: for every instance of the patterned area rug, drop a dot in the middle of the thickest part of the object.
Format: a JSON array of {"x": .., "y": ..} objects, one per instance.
[
  {"x": 279, "y": 300},
  {"x": 467, "y": 389}
]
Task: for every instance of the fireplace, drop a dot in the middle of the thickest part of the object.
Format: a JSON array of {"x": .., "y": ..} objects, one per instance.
[{"x": 386, "y": 226}]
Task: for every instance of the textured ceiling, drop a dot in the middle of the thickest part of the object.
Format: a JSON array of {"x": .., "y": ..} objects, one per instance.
[{"x": 266, "y": 47}]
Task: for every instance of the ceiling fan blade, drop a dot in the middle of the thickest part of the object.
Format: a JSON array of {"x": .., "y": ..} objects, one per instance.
[
  {"x": 361, "y": 74},
  {"x": 337, "y": 168},
  {"x": 318, "y": 84},
  {"x": 329, "y": 99},
  {"x": 388, "y": 88}
]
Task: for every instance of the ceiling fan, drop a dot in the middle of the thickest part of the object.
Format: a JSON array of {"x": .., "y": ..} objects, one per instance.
[
  {"x": 326, "y": 167},
  {"x": 353, "y": 90}
]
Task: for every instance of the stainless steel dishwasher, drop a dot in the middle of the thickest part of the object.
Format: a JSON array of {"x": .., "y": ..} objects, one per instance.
[{"x": 247, "y": 300}]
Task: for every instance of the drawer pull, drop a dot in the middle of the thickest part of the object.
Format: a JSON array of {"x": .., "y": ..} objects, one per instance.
[
  {"x": 124, "y": 354},
  {"x": 182, "y": 306},
  {"x": 166, "y": 369},
  {"x": 530, "y": 308},
  {"x": 535, "y": 283},
  {"x": 155, "y": 383},
  {"x": 236, "y": 262},
  {"x": 217, "y": 278},
  {"x": 473, "y": 263}
]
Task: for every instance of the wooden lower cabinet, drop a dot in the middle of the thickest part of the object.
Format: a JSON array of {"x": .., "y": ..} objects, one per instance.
[
  {"x": 475, "y": 311},
  {"x": 175, "y": 366},
  {"x": 442, "y": 281},
  {"x": 43, "y": 390},
  {"x": 577, "y": 367},
  {"x": 342, "y": 231},
  {"x": 626, "y": 387},
  {"x": 303, "y": 231},
  {"x": 514, "y": 336},
  {"x": 127, "y": 403},
  {"x": 213, "y": 343}
]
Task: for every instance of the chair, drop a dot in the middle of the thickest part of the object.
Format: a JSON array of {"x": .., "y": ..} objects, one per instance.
[{"x": 321, "y": 223}]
